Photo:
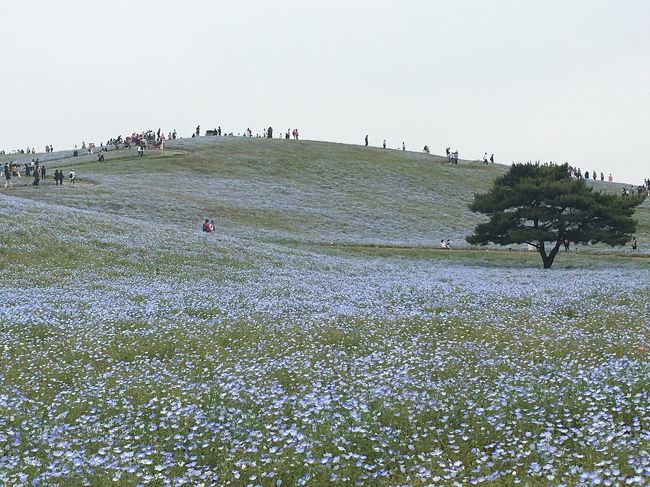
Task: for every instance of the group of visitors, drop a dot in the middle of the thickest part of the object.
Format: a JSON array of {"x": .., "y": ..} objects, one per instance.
[
  {"x": 452, "y": 155},
  {"x": 28, "y": 150},
  {"x": 487, "y": 160},
  {"x": 642, "y": 188},
  {"x": 577, "y": 173},
  {"x": 36, "y": 171},
  {"x": 267, "y": 133},
  {"x": 59, "y": 177}
]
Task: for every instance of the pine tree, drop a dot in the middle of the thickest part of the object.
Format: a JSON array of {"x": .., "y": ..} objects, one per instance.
[{"x": 544, "y": 206}]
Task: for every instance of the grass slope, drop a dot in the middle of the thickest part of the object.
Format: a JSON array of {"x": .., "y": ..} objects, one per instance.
[{"x": 307, "y": 191}]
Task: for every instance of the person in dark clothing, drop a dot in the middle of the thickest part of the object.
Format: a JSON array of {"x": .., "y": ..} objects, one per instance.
[
  {"x": 7, "y": 175},
  {"x": 198, "y": 130},
  {"x": 43, "y": 172},
  {"x": 269, "y": 133},
  {"x": 366, "y": 141}
]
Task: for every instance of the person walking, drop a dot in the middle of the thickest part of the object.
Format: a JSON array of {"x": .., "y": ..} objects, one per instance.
[
  {"x": 71, "y": 178},
  {"x": 366, "y": 141}
]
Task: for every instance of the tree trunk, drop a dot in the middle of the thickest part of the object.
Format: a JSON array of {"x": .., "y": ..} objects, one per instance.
[{"x": 548, "y": 259}]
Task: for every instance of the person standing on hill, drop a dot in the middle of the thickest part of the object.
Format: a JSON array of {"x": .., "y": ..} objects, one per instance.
[
  {"x": 366, "y": 140},
  {"x": 198, "y": 130},
  {"x": 8, "y": 176},
  {"x": 492, "y": 159},
  {"x": 384, "y": 144},
  {"x": 403, "y": 146},
  {"x": 71, "y": 177}
]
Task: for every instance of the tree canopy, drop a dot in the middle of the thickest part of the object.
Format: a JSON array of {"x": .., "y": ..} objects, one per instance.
[{"x": 539, "y": 205}]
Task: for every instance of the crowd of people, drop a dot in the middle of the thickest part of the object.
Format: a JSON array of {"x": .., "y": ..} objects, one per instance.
[{"x": 37, "y": 172}]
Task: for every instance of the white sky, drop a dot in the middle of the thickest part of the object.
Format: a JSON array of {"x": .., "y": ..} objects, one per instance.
[{"x": 560, "y": 80}]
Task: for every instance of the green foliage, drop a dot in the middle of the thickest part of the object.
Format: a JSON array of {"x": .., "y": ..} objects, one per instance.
[{"x": 536, "y": 204}]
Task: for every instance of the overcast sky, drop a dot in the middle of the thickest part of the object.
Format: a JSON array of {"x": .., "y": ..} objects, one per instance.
[{"x": 560, "y": 80}]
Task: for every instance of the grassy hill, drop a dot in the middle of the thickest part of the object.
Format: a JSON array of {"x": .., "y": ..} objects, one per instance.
[{"x": 282, "y": 190}]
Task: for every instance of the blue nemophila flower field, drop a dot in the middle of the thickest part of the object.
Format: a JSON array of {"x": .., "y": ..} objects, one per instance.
[{"x": 140, "y": 351}]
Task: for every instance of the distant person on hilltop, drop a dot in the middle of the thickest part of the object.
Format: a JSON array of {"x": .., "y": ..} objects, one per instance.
[
  {"x": 198, "y": 130},
  {"x": 366, "y": 141},
  {"x": 610, "y": 178},
  {"x": 71, "y": 178},
  {"x": 492, "y": 159},
  {"x": 269, "y": 132},
  {"x": 384, "y": 144},
  {"x": 403, "y": 146}
]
